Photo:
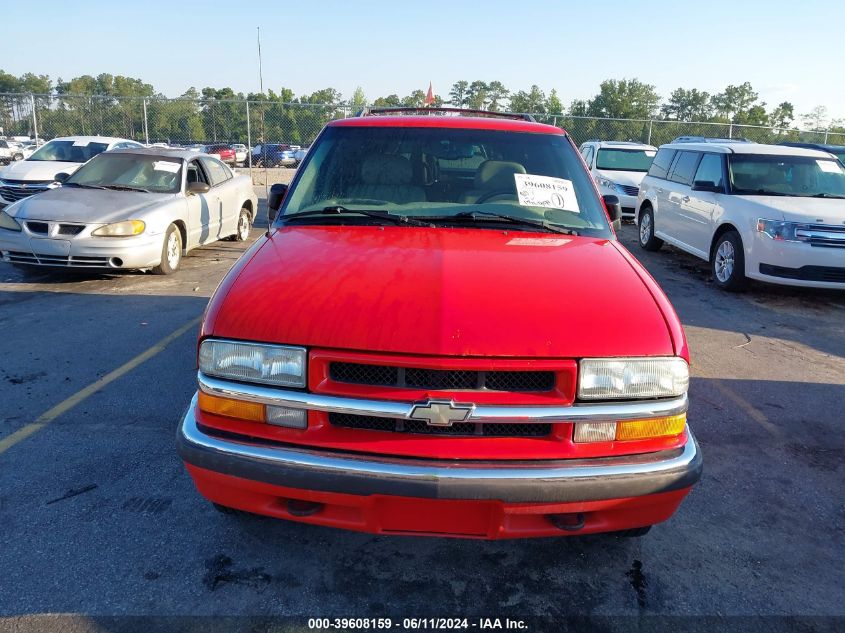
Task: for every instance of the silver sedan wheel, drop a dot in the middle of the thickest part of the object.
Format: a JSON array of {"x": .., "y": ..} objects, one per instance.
[
  {"x": 645, "y": 228},
  {"x": 174, "y": 250},
  {"x": 243, "y": 226},
  {"x": 725, "y": 257}
]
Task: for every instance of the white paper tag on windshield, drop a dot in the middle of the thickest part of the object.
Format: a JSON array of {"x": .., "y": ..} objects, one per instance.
[
  {"x": 545, "y": 191},
  {"x": 830, "y": 166},
  {"x": 81, "y": 143},
  {"x": 166, "y": 165}
]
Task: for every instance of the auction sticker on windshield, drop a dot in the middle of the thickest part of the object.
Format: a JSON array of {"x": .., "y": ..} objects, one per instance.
[
  {"x": 830, "y": 166},
  {"x": 545, "y": 191},
  {"x": 166, "y": 165}
]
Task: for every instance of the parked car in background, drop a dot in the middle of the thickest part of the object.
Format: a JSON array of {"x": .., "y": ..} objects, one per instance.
[
  {"x": 241, "y": 153},
  {"x": 299, "y": 155},
  {"x": 223, "y": 152},
  {"x": 130, "y": 208},
  {"x": 766, "y": 212},
  {"x": 497, "y": 398},
  {"x": 618, "y": 167},
  {"x": 836, "y": 150},
  {"x": 9, "y": 151},
  {"x": 61, "y": 155},
  {"x": 274, "y": 155}
]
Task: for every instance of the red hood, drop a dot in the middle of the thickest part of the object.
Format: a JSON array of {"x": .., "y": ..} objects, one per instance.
[{"x": 450, "y": 292}]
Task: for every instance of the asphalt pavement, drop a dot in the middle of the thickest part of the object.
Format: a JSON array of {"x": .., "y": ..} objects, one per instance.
[{"x": 98, "y": 517}]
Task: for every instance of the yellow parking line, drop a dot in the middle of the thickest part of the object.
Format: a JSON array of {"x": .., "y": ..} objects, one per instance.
[
  {"x": 66, "y": 405},
  {"x": 753, "y": 412}
]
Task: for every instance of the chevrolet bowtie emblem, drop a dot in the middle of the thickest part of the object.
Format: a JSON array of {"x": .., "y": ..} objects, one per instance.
[{"x": 441, "y": 412}]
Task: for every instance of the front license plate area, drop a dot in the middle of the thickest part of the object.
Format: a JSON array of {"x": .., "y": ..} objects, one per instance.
[{"x": 42, "y": 246}]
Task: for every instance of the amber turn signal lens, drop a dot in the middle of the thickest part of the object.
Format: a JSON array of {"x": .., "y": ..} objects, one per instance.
[
  {"x": 647, "y": 429},
  {"x": 230, "y": 408}
]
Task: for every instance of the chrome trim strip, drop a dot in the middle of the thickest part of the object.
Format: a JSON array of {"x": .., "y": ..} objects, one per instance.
[
  {"x": 812, "y": 234},
  {"x": 528, "y": 481},
  {"x": 481, "y": 413}
]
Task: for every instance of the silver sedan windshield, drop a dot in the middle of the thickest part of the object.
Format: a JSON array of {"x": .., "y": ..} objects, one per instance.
[{"x": 130, "y": 171}]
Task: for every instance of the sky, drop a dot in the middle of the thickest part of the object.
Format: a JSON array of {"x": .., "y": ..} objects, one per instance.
[{"x": 787, "y": 52}]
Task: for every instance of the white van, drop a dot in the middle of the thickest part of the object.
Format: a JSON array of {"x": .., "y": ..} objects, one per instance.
[
  {"x": 618, "y": 167},
  {"x": 767, "y": 212}
]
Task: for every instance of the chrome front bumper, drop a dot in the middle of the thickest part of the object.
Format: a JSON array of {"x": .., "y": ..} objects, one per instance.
[{"x": 537, "y": 481}]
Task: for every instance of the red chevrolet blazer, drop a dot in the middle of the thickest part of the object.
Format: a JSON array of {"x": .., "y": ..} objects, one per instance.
[{"x": 441, "y": 335}]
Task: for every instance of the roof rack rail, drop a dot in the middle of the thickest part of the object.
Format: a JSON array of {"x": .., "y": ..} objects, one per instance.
[
  {"x": 435, "y": 111},
  {"x": 709, "y": 139}
]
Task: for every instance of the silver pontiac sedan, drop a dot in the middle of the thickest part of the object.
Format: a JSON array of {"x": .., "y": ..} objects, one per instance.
[{"x": 130, "y": 209}]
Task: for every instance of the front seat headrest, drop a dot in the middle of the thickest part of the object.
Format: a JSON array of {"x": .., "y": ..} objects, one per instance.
[
  {"x": 497, "y": 174},
  {"x": 386, "y": 169}
]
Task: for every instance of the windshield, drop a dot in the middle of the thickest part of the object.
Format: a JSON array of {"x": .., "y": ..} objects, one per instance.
[
  {"x": 435, "y": 173},
  {"x": 130, "y": 171},
  {"x": 69, "y": 151},
  {"x": 625, "y": 159},
  {"x": 755, "y": 174}
]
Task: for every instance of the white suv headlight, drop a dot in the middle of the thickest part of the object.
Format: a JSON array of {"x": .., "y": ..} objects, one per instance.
[
  {"x": 253, "y": 362},
  {"x": 629, "y": 378}
]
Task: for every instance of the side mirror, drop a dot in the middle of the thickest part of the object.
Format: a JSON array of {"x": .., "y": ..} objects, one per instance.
[
  {"x": 274, "y": 200},
  {"x": 197, "y": 187},
  {"x": 614, "y": 208},
  {"x": 61, "y": 177},
  {"x": 706, "y": 185}
]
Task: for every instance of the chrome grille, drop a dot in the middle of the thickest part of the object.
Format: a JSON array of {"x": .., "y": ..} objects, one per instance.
[
  {"x": 823, "y": 235},
  {"x": 630, "y": 190},
  {"x": 42, "y": 228},
  {"x": 441, "y": 379},
  {"x": 18, "y": 257},
  {"x": 418, "y": 427},
  {"x": 71, "y": 229},
  {"x": 15, "y": 190}
]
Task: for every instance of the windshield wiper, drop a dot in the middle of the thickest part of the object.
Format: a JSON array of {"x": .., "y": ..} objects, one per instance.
[
  {"x": 84, "y": 186},
  {"x": 126, "y": 188},
  {"x": 474, "y": 217},
  {"x": 339, "y": 209},
  {"x": 826, "y": 195}
]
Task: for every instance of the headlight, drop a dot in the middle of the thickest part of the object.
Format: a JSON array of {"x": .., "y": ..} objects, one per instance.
[
  {"x": 121, "y": 229},
  {"x": 778, "y": 230},
  {"x": 8, "y": 222},
  {"x": 609, "y": 184},
  {"x": 252, "y": 362},
  {"x": 628, "y": 378}
]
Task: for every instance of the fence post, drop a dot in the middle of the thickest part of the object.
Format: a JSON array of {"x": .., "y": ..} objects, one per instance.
[
  {"x": 825, "y": 134},
  {"x": 650, "y": 123},
  {"x": 34, "y": 118},
  {"x": 146, "y": 125},
  {"x": 731, "y": 130},
  {"x": 248, "y": 142}
]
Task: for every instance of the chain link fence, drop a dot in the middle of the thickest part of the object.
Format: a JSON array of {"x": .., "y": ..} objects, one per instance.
[{"x": 187, "y": 122}]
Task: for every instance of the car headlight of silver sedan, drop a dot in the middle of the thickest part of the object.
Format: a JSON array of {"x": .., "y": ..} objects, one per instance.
[
  {"x": 8, "y": 222},
  {"x": 121, "y": 229},
  {"x": 632, "y": 378},
  {"x": 279, "y": 365}
]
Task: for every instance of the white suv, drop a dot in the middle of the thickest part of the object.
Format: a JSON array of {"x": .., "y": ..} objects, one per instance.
[
  {"x": 768, "y": 212},
  {"x": 618, "y": 167},
  {"x": 37, "y": 172}
]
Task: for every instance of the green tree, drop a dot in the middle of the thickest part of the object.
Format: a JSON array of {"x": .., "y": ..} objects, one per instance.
[
  {"x": 782, "y": 116},
  {"x": 458, "y": 94},
  {"x": 532, "y": 102},
  {"x": 496, "y": 93},
  {"x": 816, "y": 119},
  {"x": 414, "y": 100},
  {"x": 390, "y": 101},
  {"x": 476, "y": 95},
  {"x": 358, "y": 100},
  {"x": 735, "y": 101},
  {"x": 687, "y": 105},
  {"x": 553, "y": 104},
  {"x": 624, "y": 99}
]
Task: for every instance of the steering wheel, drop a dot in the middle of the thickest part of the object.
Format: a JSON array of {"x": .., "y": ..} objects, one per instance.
[{"x": 492, "y": 194}]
